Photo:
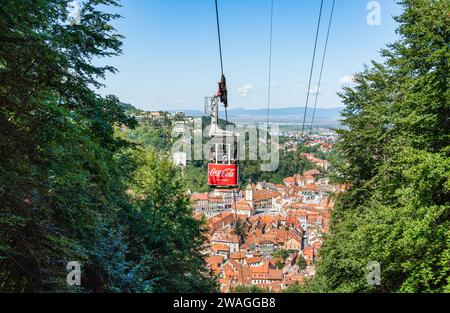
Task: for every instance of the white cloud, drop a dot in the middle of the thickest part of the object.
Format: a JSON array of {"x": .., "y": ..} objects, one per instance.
[
  {"x": 347, "y": 80},
  {"x": 246, "y": 90}
]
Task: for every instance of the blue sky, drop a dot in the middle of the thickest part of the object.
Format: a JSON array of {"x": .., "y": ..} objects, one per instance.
[{"x": 171, "y": 58}]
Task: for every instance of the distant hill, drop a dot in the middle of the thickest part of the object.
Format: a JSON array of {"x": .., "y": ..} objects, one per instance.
[
  {"x": 128, "y": 107},
  {"x": 279, "y": 115}
]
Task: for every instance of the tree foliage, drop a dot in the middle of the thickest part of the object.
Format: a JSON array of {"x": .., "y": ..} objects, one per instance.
[
  {"x": 301, "y": 262},
  {"x": 66, "y": 179},
  {"x": 395, "y": 151},
  {"x": 281, "y": 254}
]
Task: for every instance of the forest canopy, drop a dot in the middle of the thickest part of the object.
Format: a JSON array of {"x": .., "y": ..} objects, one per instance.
[
  {"x": 396, "y": 157},
  {"x": 70, "y": 190}
]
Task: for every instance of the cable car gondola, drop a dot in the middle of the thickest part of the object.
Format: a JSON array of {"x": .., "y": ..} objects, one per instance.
[{"x": 223, "y": 167}]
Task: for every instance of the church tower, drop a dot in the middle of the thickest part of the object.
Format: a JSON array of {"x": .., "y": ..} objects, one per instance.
[{"x": 250, "y": 195}]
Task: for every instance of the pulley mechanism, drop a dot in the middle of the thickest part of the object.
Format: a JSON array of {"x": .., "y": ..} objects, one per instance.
[{"x": 223, "y": 92}]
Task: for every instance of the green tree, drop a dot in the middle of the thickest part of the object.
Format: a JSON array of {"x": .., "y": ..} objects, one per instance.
[
  {"x": 281, "y": 254},
  {"x": 59, "y": 167},
  {"x": 239, "y": 229},
  {"x": 196, "y": 176},
  {"x": 67, "y": 180},
  {"x": 164, "y": 238},
  {"x": 301, "y": 262},
  {"x": 395, "y": 151},
  {"x": 279, "y": 265}
]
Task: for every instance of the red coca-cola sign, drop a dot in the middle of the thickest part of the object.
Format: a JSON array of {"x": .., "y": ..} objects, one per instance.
[{"x": 223, "y": 175}]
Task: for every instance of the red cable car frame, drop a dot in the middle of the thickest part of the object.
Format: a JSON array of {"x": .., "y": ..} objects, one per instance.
[
  {"x": 223, "y": 171},
  {"x": 223, "y": 168}
]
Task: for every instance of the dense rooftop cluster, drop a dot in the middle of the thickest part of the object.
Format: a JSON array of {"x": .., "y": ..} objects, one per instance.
[{"x": 268, "y": 235}]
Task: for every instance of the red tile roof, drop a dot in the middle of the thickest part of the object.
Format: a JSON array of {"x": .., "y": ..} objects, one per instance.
[{"x": 220, "y": 247}]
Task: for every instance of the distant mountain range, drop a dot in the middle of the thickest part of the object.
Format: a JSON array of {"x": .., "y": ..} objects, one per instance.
[{"x": 277, "y": 115}]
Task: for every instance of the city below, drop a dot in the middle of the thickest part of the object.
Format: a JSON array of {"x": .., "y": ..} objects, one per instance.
[{"x": 269, "y": 235}]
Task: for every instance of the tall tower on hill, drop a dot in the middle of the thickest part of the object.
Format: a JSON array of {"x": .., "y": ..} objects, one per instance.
[{"x": 250, "y": 195}]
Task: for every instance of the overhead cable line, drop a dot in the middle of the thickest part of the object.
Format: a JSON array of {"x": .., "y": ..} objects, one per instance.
[
  {"x": 223, "y": 92},
  {"x": 312, "y": 67},
  {"x": 323, "y": 62},
  {"x": 310, "y": 80},
  {"x": 270, "y": 65},
  {"x": 223, "y": 79},
  {"x": 218, "y": 35}
]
